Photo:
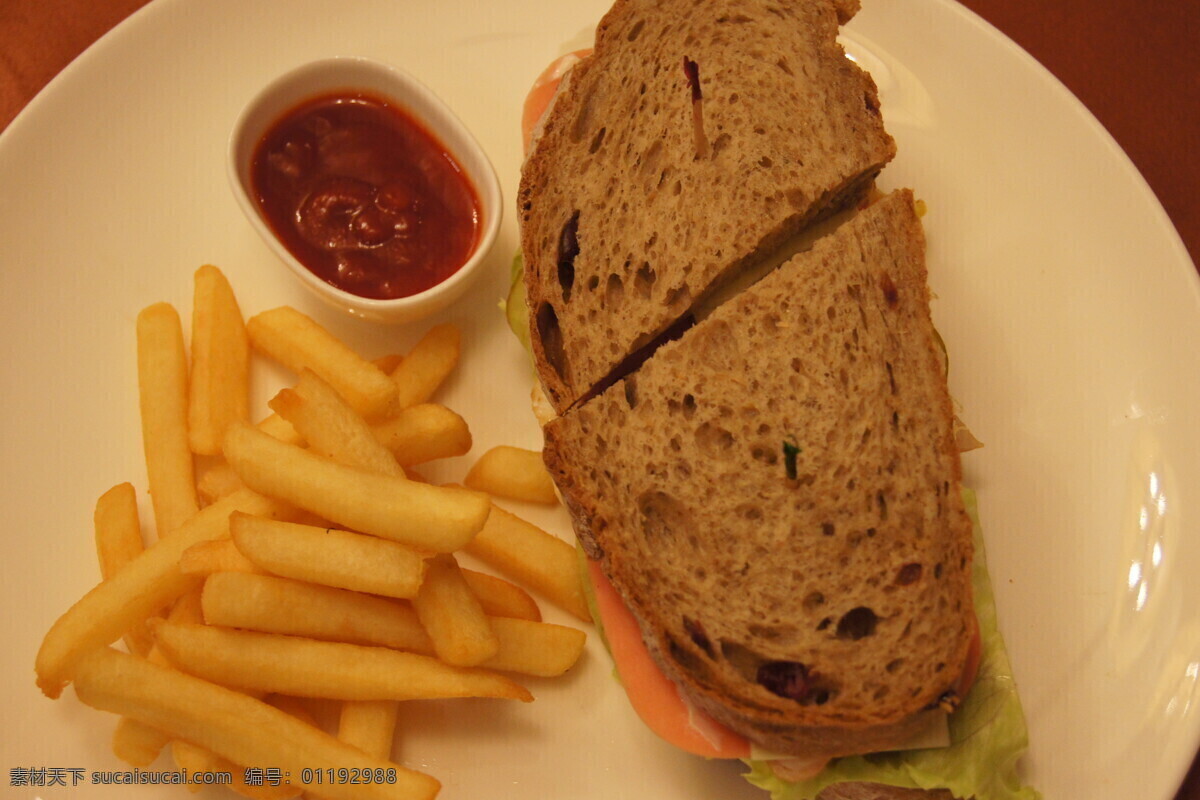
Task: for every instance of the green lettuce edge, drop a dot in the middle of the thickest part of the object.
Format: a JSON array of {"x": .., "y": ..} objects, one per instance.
[
  {"x": 988, "y": 732},
  {"x": 516, "y": 314}
]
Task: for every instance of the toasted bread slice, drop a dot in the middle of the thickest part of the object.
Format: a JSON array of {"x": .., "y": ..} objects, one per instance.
[
  {"x": 692, "y": 141},
  {"x": 776, "y": 496}
]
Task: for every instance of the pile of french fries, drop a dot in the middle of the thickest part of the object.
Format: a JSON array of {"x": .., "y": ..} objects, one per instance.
[{"x": 304, "y": 557}]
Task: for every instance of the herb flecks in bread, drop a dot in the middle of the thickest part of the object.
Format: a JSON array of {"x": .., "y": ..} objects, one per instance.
[
  {"x": 624, "y": 228},
  {"x": 814, "y": 595}
]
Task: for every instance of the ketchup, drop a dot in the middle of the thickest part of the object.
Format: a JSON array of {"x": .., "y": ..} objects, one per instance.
[{"x": 366, "y": 198}]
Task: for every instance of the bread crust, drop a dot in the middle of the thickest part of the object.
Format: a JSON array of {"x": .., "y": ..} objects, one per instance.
[
  {"x": 850, "y": 556},
  {"x": 628, "y": 220}
]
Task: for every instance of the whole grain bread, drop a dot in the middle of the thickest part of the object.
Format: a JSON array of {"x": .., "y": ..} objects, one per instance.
[
  {"x": 653, "y": 183},
  {"x": 776, "y": 496}
]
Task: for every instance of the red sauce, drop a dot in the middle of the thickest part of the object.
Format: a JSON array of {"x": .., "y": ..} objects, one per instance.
[{"x": 365, "y": 197}]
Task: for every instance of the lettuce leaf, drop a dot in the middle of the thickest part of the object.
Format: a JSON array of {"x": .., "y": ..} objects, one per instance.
[
  {"x": 988, "y": 731},
  {"x": 513, "y": 305}
]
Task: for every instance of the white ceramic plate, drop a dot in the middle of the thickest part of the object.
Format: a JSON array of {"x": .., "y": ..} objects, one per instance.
[{"x": 1071, "y": 311}]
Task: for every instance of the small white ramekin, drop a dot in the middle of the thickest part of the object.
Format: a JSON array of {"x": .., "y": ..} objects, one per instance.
[{"x": 347, "y": 74}]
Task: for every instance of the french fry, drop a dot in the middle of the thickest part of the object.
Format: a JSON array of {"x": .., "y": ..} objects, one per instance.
[
  {"x": 434, "y": 518},
  {"x": 118, "y": 531},
  {"x": 196, "y": 760},
  {"x": 163, "y": 397},
  {"x": 533, "y": 558},
  {"x": 427, "y": 365},
  {"x": 369, "y": 725},
  {"x": 279, "y": 428},
  {"x": 331, "y": 427},
  {"x": 298, "y": 707},
  {"x": 238, "y": 728},
  {"x": 298, "y": 342},
  {"x": 137, "y": 743},
  {"x": 389, "y": 362},
  {"x": 219, "y": 555},
  {"x": 514, "y": 473},
  {"x": 500, "y": 598},
  {"x": 219, "y": 389},
  {"x": 330, "y": 556},
  {"x": 261, "y": 789},
  {"x": 307, "y": 564},
  {"x": 452, "y": 615},
  {"x": 118, "y": 541},
  {"x": 310, "y": 668},
  {"x": 188, "y": 607},
  {"x": 217, "y": 481},
  {"x": 271, "y": 604},
  {"x": 423, "y": 433},
  {"x": 144, "y": 585},
  {"x": 542, "y": 649}
]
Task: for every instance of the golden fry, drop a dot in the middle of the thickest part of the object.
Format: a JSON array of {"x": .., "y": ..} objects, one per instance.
[
  {"x": 196, "y": 759},
  {"x": 163, "y": 397},
  {"x": 533, "y": 558},
  {"x": 279, "y": 428},
  {"x": 500, "y": 598},
  {"x": 369, "y": 725},
  {"x": 427, "y": 365},
  {"x": 535, "y": 648},
  {"x": 118, "y": 531},
  {"x": 330, "y": 556},
  {"x": 217, "y": 481},
  {"x": 331, "y": 427},
  {"x": 298, "y": 707},
  {"x": 119, "y": 541},
  {"x": 271, "y": 604},
  {"x": 236, "y": 727},
  {"x": 188, "y": 607},
  {"x": 452, "y": 615},
  {"x": 423, "y": 433},
  {"x": 298, "y": 342},
  {"x": 137, "y": 743},
  {"x": 220, "y": 376},
  {"x": 261, "y": 789},
  {"x": 389, "y": 362},
  {"x": 318, "y": 569},
  {"x": 310, "y": 668},
  {"x": 219, "y": 555},
  {"x": 144, "y": 585},
  {"x": 514, "y": 473},
  {"x": 434, "y": 518}
]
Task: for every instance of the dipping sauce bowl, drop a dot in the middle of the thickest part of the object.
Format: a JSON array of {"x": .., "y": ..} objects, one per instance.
[{"x": 367, "y": 187}]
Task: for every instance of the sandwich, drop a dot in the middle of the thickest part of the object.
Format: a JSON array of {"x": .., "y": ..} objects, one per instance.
[
  {"x": 775, "y": 498},
  {"x": 691, "y": 145},
  {"x": 748, "y": 412}
]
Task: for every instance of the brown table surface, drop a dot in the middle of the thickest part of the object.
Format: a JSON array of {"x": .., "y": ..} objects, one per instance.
[{"x": 1131, "y": 62}]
